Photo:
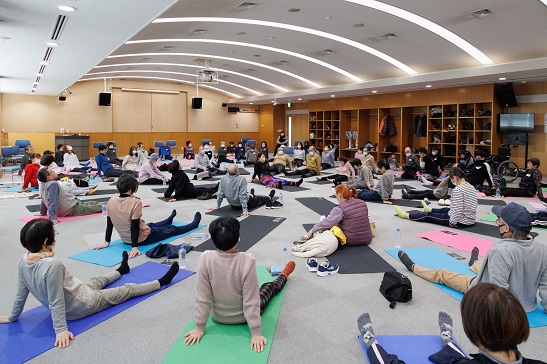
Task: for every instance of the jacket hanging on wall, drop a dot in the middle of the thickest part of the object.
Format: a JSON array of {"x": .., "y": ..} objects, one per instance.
[{"x": 387, "y": 127}]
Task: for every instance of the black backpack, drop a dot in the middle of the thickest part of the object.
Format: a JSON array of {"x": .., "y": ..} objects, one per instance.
[{"x": 396, "y": 287}]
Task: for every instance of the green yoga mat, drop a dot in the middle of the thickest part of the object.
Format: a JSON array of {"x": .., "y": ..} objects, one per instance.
[
  {"x": 229, "y": 343},
  {"x": 491, "y": 217}
]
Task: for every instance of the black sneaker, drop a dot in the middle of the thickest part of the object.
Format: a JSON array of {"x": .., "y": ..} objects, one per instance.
[
  {"x": 269, "y": 204},
  {"x": 275, "y": 205},
  {"x": 205, "y": 196}
]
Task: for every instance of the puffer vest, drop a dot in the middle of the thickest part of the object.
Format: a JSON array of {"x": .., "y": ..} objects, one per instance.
[{"x": 355, "y": 224}]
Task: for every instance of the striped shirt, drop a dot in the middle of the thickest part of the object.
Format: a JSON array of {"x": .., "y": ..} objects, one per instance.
[{"x": 463, "y": 206}]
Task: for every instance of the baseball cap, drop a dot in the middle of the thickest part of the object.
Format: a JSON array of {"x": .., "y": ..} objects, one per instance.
[
  {"x": 154, "y": 157},
  {"x": 514, "y": 215}
]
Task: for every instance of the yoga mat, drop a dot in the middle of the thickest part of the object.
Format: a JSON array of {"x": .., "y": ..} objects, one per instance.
[
  {"x": 400, "y": 187},
  {"x": 294, "y": 189},
  {"x": 33, "y": 333},
  {"x": 491, "y": 202},
  {"x": 252, "y": 229},
  {"x": 243, "y": 171},
  {"x": 408, "y": 348},
  {"x": 319, "y": 205},
  {"x": 481, "y": 194},
  {"x": 61, "y": 219},
  {"x": 103, "y": 192},
  {"x": 163, "y": 189},
  {"x": 491, "y": 217},
  {"x": 229, "y": 343},
  {"x": 112, "y": 255},
  {"x": 229, "y": 211},
  {"x": 433, "y": 258},
  {"x": 537, "y": 205},
  {"x": 36, "y": 208},
  {"x": 316, "y": 182},
  {"x": 357, "y": 259},
  {"x": 457, "y": 240},
  {"x": 18, "y": 188},
  {"x": 402, "y": 202}
]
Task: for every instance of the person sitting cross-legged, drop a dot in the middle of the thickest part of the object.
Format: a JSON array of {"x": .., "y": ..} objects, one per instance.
[
  {"x": 164, "y": 151},
  {"x": 104, "y": 167},
  {"x": 313, "y": 165},
  {"x": 240, "y": 301},
  {"x": 66, "y": 297},
  {"x": 383, "y": 190},
  {"x": 182, "y": 187},
  {"x": 149, "y": 173},
  {"x": 124, "y": 213}
]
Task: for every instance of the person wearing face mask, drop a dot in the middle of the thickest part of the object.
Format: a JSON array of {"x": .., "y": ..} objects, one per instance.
[
  {"x": 208, "y": 152},
  {"x": 480, "y": 171},
  {"x": 164, "y": 151},
  {"x": 327, "y": 157},
  {"x": 142, "y": 153},
  {"x": 359, "y": 154},
  {"x": 515, "y": 262},
  {"x": 427, "y": 165},
  {"x": 281, "y": 140},
  {"x": 412, "y": 165},
  {"x": 393, "y": 163},
  {"x": 71, "y": 161},
  {"x": 131, "y": 160},
  {"x": 313, "y": 165},
  {"x": 466, "y": 160},
  {"x": 462, "y": 211},
  {"x": 281, "y": 161},
  {"x": 383, "y": 190},
  {"x": 264, "y": 149},
  {"x": 222, "y": 154},
  {"x": 240, "y": 152},
  {"x": 437, "y": 158},
  {"x": 299, "y": 155},
  {"x": 231, "y": 148},
  {"x": 368, "y": 160},
  {"x": 251, "y": 155},
  {"x": 66, "y": 297},
  {"x": 189, "y": 150},
  {"x": 31, "y": 173},
  {"x": 530, "y": 182},
  {"x": 262, "y": 173},
  {"x": 203, "y": 166}
]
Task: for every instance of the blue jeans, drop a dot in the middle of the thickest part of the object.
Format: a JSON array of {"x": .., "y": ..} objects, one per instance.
[
  {"x": 369, "y": 195},
  {"x": 162, "y": 230}
]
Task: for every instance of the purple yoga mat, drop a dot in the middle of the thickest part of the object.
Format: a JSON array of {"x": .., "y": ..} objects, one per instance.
[{"x": 33, "y": 333}]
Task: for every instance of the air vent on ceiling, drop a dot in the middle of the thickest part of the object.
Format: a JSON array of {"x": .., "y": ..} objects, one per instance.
[
  {"x": 388, "y": 36},
  {"x": 42, "y": 69},
  {"x": 246, "y": 5},
  {"x": 38, "y": 79},
  {"x": 59, "y": 26},
  {"x": 198, "y": 31},
  {"x": 481, "y": 13},
  {"x": 164, "y": 48},
  {"x": 283, "y": 62},
  {"x": 327, "y": 51},
  {"x": 49, "y": 52}
]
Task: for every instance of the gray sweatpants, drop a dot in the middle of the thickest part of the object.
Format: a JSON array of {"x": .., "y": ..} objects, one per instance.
[{"x": 105, "y": 298}]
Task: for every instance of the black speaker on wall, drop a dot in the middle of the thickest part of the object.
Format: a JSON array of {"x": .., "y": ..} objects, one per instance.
[
  {"x": 62, "y": 98},
  {"x": 105, "y": 98},
  {"x": 506, "y": 95},
  {"x": 197, "y": 102}
]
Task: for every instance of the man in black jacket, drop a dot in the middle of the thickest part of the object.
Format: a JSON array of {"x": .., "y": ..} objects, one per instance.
[{"x": 480, "y": 171}]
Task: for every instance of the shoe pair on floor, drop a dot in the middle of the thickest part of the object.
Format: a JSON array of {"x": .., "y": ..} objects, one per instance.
[
  {"x": 444, "y": 202},
  {"x": 324, "y": 269}
]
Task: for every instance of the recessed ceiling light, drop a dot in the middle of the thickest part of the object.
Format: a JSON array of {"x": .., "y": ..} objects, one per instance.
[
  {"x": 358, "y": 25},
  {"x": 388, "y": 36},
  {"x": 502, "y": 78},
  {"x": 299, "y": 99},
  {"x": 525, "y": 81},
  {"x": 283, "y": 62},
  {"x": 250, "y": 103},
  {"x": 374, "y": 91},
  {"x": 294, "y": 10},
  {"x": 39, "y": 74},
  {"x": 428, "y": 86},
  {"x": 66, "y": 8},
  {"x": 44, "y": 63},
  {"x": 332, "y": 95},
  {"x": 198, "y": 31},
  {"x": 52, "y": 44}
]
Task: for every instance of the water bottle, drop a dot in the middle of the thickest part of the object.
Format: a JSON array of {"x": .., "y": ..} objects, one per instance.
[
  {"x": 164, "y": 183},
  {"x": 103, "y": 209},
  {"x": 280, "y": 198},
  {"x": 182, "y": 257},
  {"x": 199, "y": 236},
  {"x": 398, "y": 244},
  {"x": 498, "y": 193},
  {"x": 284, "y": 258}
]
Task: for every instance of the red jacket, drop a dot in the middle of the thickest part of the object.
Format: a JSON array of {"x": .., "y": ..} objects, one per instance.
[{"x": 31, "y": 175}]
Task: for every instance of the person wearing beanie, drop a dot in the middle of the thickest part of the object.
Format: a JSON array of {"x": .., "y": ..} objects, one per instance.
[
  {"x": 149, "y": 173},
  {"x": 240, "y": 301}
]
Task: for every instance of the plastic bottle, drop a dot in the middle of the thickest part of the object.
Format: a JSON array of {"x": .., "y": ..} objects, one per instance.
[
  {"x": 182, "y": 257},
  {"x": 284, "y": 258},
  {"x": 280, "y": 198},
  {"x": 398, "y": 243},
  {"x": 498, "y": 193},
  {"x": 199, "y": 236},
  {"x": 103, "y": 209}
]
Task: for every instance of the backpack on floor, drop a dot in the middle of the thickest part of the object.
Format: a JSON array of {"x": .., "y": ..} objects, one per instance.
[{"x": 396, "y": 287}]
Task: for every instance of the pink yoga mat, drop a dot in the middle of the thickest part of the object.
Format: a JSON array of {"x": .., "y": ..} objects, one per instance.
[
  {"x": 63, "y": 218},
  {"x": 538, "y": 205},
  {"x": 457, "y": 240},
  {"x": 481, "y": 194}
]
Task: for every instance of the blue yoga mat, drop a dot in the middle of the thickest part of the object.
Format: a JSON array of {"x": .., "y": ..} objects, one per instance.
[
  {"x": 18, "y": 188},
  {"x": 33, "y": 333},
  {"x": 433, "y": 258},
  {"x": 409, "y": 348},
  {"x": 112, "y": 255}
]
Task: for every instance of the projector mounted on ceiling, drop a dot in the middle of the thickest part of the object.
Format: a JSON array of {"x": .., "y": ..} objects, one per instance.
[{"x": 207, "y": 76}]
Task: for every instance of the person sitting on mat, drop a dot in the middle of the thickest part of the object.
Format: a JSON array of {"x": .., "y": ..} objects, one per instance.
[
  {"x": 189, "y": 150},
  {"x": 466, "y": 160},
  {"x": 240, "y": 152},
  {"x": 368, "y": 160},
  {"x": 66, "y": 297},
  {"x": 463, "y": 207},
  {"x": 124, "y": 213},
  {"x": 427, "y": 165},
  {"x": 437, "y": 157},
  {"x": 351, "y": 216},
  {"x": 299, "y": 155},
  {"x": 204, "y": 167},
  {"x": 111, "y": 154},
  {"x": 131, "y": 160},
  {"x": 66, "y": 182},
  {"x": 364, "y": 180},
  {"x": 439, "y": 193},
  {"x": 392, "y": 161},
  {"x": 262, "y": 172},
  {"x": 233, "y": 187},
  {"x": 104, "y": 167},
  {"x": 345, "y": 173},
  {"x": 412, "y": 165},
  {"x": 383, "y": 190},
  {"x": 264, "y": 149},
  {"x": 313, "y": 165},
  {"x": 493, "y": 320},
  {"x": 149, "y": 173},
  {"x": 57, "y": 202},
  {"x": 530, "y": 182},
  {"x": 251, "y": 155},
  {"x": 240, "y": 301},
  {"x": 222, "y": 154},
  {"x": 327, "y": 157},
  {"x": 143, "y": 154},
  {"x": 480, "y": 171},
  {"x": 31, "y": 173},
  {"x": 516, "y": 262},
  {"x": 183, "y": 188},
  {"x": 281, "y": 161},
  {"x": 164, "y": 151},
  {"x": 72, "y": 163}
]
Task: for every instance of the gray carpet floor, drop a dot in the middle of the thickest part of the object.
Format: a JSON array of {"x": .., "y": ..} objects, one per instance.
[{"x": 318, "y": 316}]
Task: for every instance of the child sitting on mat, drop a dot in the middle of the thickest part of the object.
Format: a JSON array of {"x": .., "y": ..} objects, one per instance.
[
  {"x": 64, "y": 295},
  {"x": 227, "y": 286}
]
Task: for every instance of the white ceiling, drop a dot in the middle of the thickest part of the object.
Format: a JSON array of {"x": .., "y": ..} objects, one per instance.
[{"x": 259, "y": 62}]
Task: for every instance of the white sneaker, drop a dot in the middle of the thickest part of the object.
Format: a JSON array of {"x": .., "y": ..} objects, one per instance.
[
  {"x": 441, "y": 202},
  {"x": 447, "y": 202}
]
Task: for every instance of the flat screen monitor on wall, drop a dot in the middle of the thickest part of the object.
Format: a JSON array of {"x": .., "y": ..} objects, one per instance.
[{"x": 516, "y": 123}]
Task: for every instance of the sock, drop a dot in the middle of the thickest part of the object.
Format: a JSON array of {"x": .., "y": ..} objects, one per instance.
[
  {"x": 426, "y": 206},
  {"x": 365, "y": 329},
  {"x": 445, "y": 324},
  {"x": 405, "y": 259},
  {"x": 172, "y": 216},
  {"x": 400, "y": 212},
  {"x": 300, "y": 182},
  {"x": 124, "y": 267},
  {"x": 272, "y": 193},
  {"x": 474, "y": 256},
  {"x": 279, "y": 185},
  {"x": 252, "y": 192},
  {"x": 197, "y": 219},
  {"x": 288, "y": 268},
  {"x": 171, "y": 273}
]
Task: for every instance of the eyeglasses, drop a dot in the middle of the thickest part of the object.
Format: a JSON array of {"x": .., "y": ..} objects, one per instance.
[{"x": 499, "y": 223}]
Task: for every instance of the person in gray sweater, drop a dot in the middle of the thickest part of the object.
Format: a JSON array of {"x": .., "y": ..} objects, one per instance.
[
  {"x": 383, "y": 190},
  {"x": 233, "y": 187},
  {"x": 64, "y": 295},
  {"x": 57, "y": 202},
  {"x": 412, "y": 165},
  {"x": 516, "y": 262}
]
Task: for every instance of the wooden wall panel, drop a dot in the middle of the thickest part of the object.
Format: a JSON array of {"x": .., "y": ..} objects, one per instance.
[
  {"x": 442, "y": 96},
  {"x": 390, "y": 100},
  {"x": 266, "y": 124},
  {"x": 414, "y": 98},
  {"x": 368, "y": 102},
  {"x": 478, "y": 93},
  {"x": 131, "y": 111},
  {"x": 300, "y": 127}
]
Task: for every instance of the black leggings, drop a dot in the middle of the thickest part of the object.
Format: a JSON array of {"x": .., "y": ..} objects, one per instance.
[
  {"x": 516, "y": 192},
  {"x": 420, "y": 194}
]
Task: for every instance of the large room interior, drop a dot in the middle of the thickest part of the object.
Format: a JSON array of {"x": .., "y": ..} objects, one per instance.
[{"x": 223, "y": 70}]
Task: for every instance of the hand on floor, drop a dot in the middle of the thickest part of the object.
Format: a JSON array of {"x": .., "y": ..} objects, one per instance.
[
  {"x": 134, "y": 252},
  {"x": 245, "y": 213},
  {"x": 192, "y": 337},
  {"x": 101, "y": 246},
  {"x": 62, "y": 340},
  {"x": 4, "y": 319},
  {"x": 258, "y": 343}
]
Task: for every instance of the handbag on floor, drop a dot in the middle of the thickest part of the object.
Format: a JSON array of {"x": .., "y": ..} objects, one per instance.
[{"x": 396, "y": 287}]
